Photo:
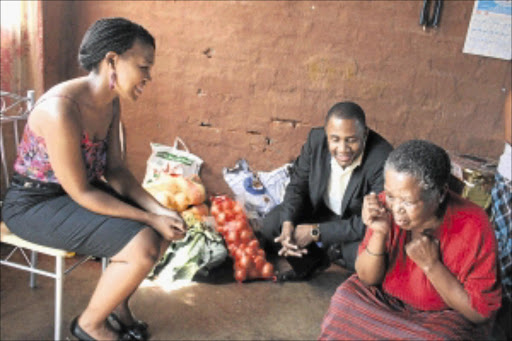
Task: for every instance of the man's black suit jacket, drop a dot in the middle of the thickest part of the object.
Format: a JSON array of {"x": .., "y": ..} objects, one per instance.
[{"x": 309, "y": 180}]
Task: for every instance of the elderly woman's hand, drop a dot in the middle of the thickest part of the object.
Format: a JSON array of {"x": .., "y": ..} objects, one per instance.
[
  {"x": 375, "y": 214},
  {"x": 424, "y": 251}
]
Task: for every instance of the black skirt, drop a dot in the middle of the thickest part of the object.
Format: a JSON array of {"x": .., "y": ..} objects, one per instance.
[{"x": 44, "y": 214}]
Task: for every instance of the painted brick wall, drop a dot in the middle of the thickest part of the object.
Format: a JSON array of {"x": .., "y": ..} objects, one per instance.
[{"x": 249, "y": 79}]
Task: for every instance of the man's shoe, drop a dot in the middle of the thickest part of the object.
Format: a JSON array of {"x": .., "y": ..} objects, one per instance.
[
  {"x": 340, "y": 262},
  {"x": 323, "y": 264},
  {"x": 291, "y": 276},
  {"x": 334, "y": 252}
]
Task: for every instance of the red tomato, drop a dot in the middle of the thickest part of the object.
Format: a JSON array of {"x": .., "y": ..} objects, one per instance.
[
  {"x": 239, "y": 252},
  {"x": 245, "y": 262},
  {"x": 232, "y": 249},
  {"x": 259, "y": 262},
  {"x": 240, "y": 275},
  {"x": 241, "y": 217},
  {"x": 267, "y": 270},
  {"x": 230, "y": 226},
  {"x": 254, "y": 244},
  {"x": 236, "y": 225},
  {"x": 220, "y": 228},
  {"x": 229, "y": 216},
  {"x": 261, "y": 252},
  {"x": 252, "y": 248},
  {"x": 250, "y": 251},
  {"x": 236, "y": 266},
  {"x": 253, "y": 273},
  {"x": 221, "y": 218},
  {"x": 245, "y": 235},
  {"x": 232, "y": 237},
  {"x": 214, "y": 210},
  {"x": 226, "y": 205},
  {"x": 237, "y": 208}
]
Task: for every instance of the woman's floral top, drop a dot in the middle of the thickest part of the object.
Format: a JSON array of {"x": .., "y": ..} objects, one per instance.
[{"x": 33, "y": 161}]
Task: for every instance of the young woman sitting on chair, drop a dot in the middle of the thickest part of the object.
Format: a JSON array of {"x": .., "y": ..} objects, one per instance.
[{"x": 71, "y": 189}]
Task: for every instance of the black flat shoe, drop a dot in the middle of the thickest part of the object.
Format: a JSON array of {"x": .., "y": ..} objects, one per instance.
[
  {"x": 138, "y": 331},
  {"x": 291, "y": 276},
  {"x": 78, "y": 332}
]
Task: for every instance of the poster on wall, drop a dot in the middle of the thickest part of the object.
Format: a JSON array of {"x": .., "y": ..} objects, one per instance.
[{"x": 490, "y": 29}]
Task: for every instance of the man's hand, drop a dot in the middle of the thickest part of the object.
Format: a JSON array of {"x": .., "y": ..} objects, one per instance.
[
  {"x": 302, "y": 235},
  {"x": 289, "y": 248}
]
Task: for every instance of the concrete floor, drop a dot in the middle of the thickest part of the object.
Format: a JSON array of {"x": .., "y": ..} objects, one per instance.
[{"x": 219, "y": 309}]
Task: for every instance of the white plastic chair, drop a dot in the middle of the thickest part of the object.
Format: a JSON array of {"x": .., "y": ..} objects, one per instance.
[{"x": 24, "y": 105}]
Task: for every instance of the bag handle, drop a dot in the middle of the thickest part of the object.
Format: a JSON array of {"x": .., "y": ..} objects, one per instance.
[{"x": 179, "y": 140}]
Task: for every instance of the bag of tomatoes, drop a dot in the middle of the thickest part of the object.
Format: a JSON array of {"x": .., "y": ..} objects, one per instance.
[{"x": 248, "y": 257}]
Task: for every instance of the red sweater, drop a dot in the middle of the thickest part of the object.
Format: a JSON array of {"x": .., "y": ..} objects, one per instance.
[{"x": 468, "y": 249}]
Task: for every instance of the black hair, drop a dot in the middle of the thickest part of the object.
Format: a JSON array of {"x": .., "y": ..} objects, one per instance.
[
  {"x": 110, "y": 34},
  {"x": 426, "y": 162},
  {"x": 349, "y": 111}
]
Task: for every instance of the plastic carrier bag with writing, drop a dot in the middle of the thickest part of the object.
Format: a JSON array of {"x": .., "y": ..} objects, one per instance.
[
  {"x": 260, "y": 192},
  {"x": 171, "y": 160},
  {"x": 248, "y": 189}
]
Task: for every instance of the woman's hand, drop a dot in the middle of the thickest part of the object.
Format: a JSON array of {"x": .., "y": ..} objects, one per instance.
[
  {"x": 375, "y": 215},
  {"x": 170, "y": 226},
  {"x": 424, "y": 251},
  {"x": 289, "y": 248},
  {"x": 162, "y": 210},
  {"x": 371, "y": 264}
]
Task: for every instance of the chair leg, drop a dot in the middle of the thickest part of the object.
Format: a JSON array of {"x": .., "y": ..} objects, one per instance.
[
  {"x": 33, "y": 265},
  {"x": 104, "y": 263},
  {"x": 59, "y": 285}
]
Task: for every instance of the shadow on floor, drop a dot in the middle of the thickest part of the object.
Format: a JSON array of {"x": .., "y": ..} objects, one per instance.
[{"x": 214, "y": 308}]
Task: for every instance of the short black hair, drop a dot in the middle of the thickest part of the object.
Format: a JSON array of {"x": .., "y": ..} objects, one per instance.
[
  {"x": 425, "y": 161},
  {"x": 349, "y": 111},
  {"x": 110, "y": 34}
]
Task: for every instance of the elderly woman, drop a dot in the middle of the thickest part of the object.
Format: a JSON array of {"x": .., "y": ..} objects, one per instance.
[{"x": 426, "y": 268}]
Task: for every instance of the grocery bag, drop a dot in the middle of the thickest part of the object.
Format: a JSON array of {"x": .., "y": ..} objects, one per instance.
[
  {"x": 259, "y": 192},
  {"x": 276, "y": 181},
  {"x": 248, "y": 189},
  {"x": 202, "y": 249},
  {"x": 171, "y": 160}
]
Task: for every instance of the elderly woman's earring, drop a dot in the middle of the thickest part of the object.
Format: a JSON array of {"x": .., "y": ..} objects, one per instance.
[
  {"x": 443, "y": 195},
  {"x": 112, "y": 81},
  {"x": 441, "y": 199}
]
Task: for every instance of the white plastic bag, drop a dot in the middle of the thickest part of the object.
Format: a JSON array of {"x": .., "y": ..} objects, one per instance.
[
  {"x": 275, "y": 181},
  {"x": 171, "y": 160},
  {"x": 258, "y": 191}
]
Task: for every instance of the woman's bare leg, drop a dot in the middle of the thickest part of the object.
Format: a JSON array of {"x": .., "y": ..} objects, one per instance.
[
  {"x": 121, "y": 278},
  {"x": 123, "y": 310}
]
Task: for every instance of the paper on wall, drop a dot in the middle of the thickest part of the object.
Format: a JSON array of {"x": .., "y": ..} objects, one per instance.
[{"x": 490, "y": 29}]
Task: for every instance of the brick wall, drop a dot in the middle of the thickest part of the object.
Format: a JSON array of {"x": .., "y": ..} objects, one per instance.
[{"x": 249, "y": 79}]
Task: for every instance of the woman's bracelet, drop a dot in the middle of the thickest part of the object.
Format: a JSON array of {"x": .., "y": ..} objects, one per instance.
[{"x": 375, "y": 254}]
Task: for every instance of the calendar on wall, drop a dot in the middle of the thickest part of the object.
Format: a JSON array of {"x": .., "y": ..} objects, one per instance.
[{"x": 490, "y": 29}]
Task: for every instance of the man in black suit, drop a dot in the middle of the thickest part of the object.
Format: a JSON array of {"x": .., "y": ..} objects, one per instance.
[{"x": 319, "y": 220}]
